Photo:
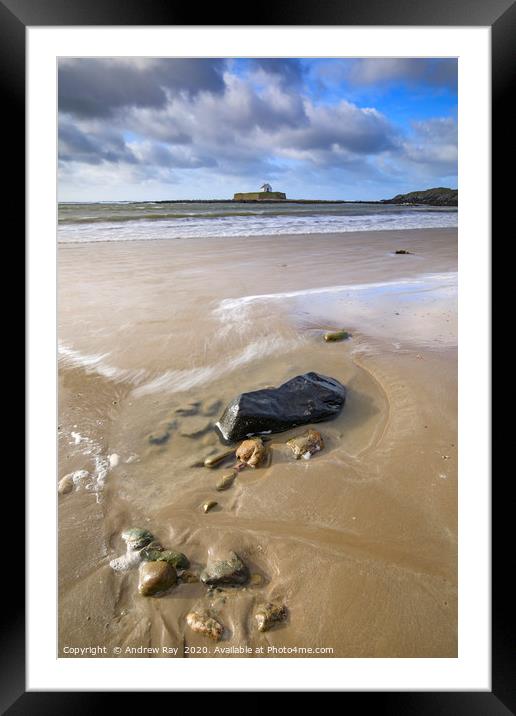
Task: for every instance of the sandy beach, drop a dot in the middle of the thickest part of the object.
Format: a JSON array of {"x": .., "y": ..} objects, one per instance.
[{"x": 360, "y": 542}]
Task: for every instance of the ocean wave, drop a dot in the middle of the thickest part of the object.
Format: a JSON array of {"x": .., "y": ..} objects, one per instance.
[{"x": 228, "y": 225}]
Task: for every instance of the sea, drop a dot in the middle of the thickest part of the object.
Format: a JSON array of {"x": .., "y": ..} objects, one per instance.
[{"x": 129, "y": 221}]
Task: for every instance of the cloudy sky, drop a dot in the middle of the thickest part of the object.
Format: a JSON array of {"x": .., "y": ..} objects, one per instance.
[{"x": 143, "y": 129}]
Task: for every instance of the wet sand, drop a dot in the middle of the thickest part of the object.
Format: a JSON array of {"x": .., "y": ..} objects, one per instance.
[{"x": 360, "y": 542}]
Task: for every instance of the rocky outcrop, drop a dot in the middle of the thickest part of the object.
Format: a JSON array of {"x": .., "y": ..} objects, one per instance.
[
  {"x": 439, "y": 196},
  {"x": 308, "y": 398}
]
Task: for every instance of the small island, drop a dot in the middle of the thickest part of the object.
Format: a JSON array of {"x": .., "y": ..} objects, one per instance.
[
  {"x": 265, "y": 194},
  {"x": 439, "y": 196}
]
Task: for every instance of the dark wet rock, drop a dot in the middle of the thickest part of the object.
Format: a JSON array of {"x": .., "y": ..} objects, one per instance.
[
  {"x": 202, "y": 622},
  {"x": 176, "y": 559},
  {"x": 137, "y": 538},
  {"x": 307, "y": 444},
  {"x": 218, "y": 458},
  {"x": 226, "y": 481},
  {"x": 309, "y": 398},
  {"x": 333, "y": 336},
  {"x": 251, "y": 452},
  {"x": 225, "y": 571},
  {"x": 402, "y": 251},
  {"x": 156, "y": 577},
  {"x": 209, "y": 505},
  {"x": 268, "y": 615},
  {"x": 159, "y": 438},
  {"x": 189, "y": 577}
]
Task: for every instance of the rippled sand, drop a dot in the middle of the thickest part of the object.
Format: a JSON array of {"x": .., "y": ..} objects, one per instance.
[{"x": 360, "y": 541}]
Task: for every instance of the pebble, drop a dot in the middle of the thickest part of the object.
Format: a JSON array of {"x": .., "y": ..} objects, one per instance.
[
  {"x": 207, "y": 506},
  {"x": 65, "y": 485},
  {"x": 114, "y": 459},
  {"x": 214, "y": 460},
  {"x": 202, "y": 622},
  {"x": 156, "y": 577},
  {"x": 333, "y": 336},
  {"x": 176, "y": 559},
  {"x": 268, "y": 615},
  {"x": 225, "y": 571},
  {"x": 226, "y": 481},
  {"x": 307, "y": 444},
  {"x": 251, "y": 452},
  {"x": 137, "y": 538}
]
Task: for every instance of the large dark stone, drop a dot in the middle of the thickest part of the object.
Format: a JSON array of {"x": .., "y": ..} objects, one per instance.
[{"x": 309, "y": 398}]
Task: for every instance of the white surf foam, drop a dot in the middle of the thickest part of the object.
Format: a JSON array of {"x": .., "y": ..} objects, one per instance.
[
  {"x": 179, "y": 380},
  {"x": 235, "y": 308},
  {"x": 96, "y": 363}
]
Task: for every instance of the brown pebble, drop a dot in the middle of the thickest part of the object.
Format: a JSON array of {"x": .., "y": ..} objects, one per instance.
[
  {"x": 207, "y": 506},
  {"x": 226, "y": 481}
]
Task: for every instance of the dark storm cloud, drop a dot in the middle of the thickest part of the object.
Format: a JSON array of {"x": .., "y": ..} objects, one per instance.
[
  {"x": 90, "y": 87},
  {"x": 92, "y": 148},
  {"x": 128, "y": 122}
]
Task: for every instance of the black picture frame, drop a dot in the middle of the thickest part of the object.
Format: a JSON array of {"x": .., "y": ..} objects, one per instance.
[{"x": 500, "y": 16}]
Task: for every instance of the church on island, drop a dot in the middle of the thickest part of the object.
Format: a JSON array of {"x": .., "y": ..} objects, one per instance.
[{"x": 265, "y": 194}]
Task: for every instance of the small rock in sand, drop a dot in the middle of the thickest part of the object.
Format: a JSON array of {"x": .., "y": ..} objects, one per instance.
[
  {"x": 251, "y": 452},
  {"x": 215, "y": 460},
  {"x": 114, "y": 459},
  {"x": 207, "y": 506},
  {"x": 333, "y": 336},
  {"x": 225, "y": 571},
  {"x": 73, "y": 479},
  {"x": 402, "y": 251},
  {"x": 202, "y": 622},
  {"x": 176, "y": 559},
  {"x": 189, "y": 577},
  {"x": 65, "y": 484},
  {"x": 156, "y": 577},
  {"x": 307, "y": 444},
  {"x": 226, "y": 481},
  {"x": 137, "y": 538},
  {"x": 269, "y": 614}
]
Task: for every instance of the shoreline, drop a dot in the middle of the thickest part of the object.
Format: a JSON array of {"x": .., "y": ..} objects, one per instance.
[{"x": 330, "y": 234}]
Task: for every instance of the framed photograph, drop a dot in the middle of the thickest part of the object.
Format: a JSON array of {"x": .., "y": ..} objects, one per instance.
[{"x": 254, "y": 309}]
